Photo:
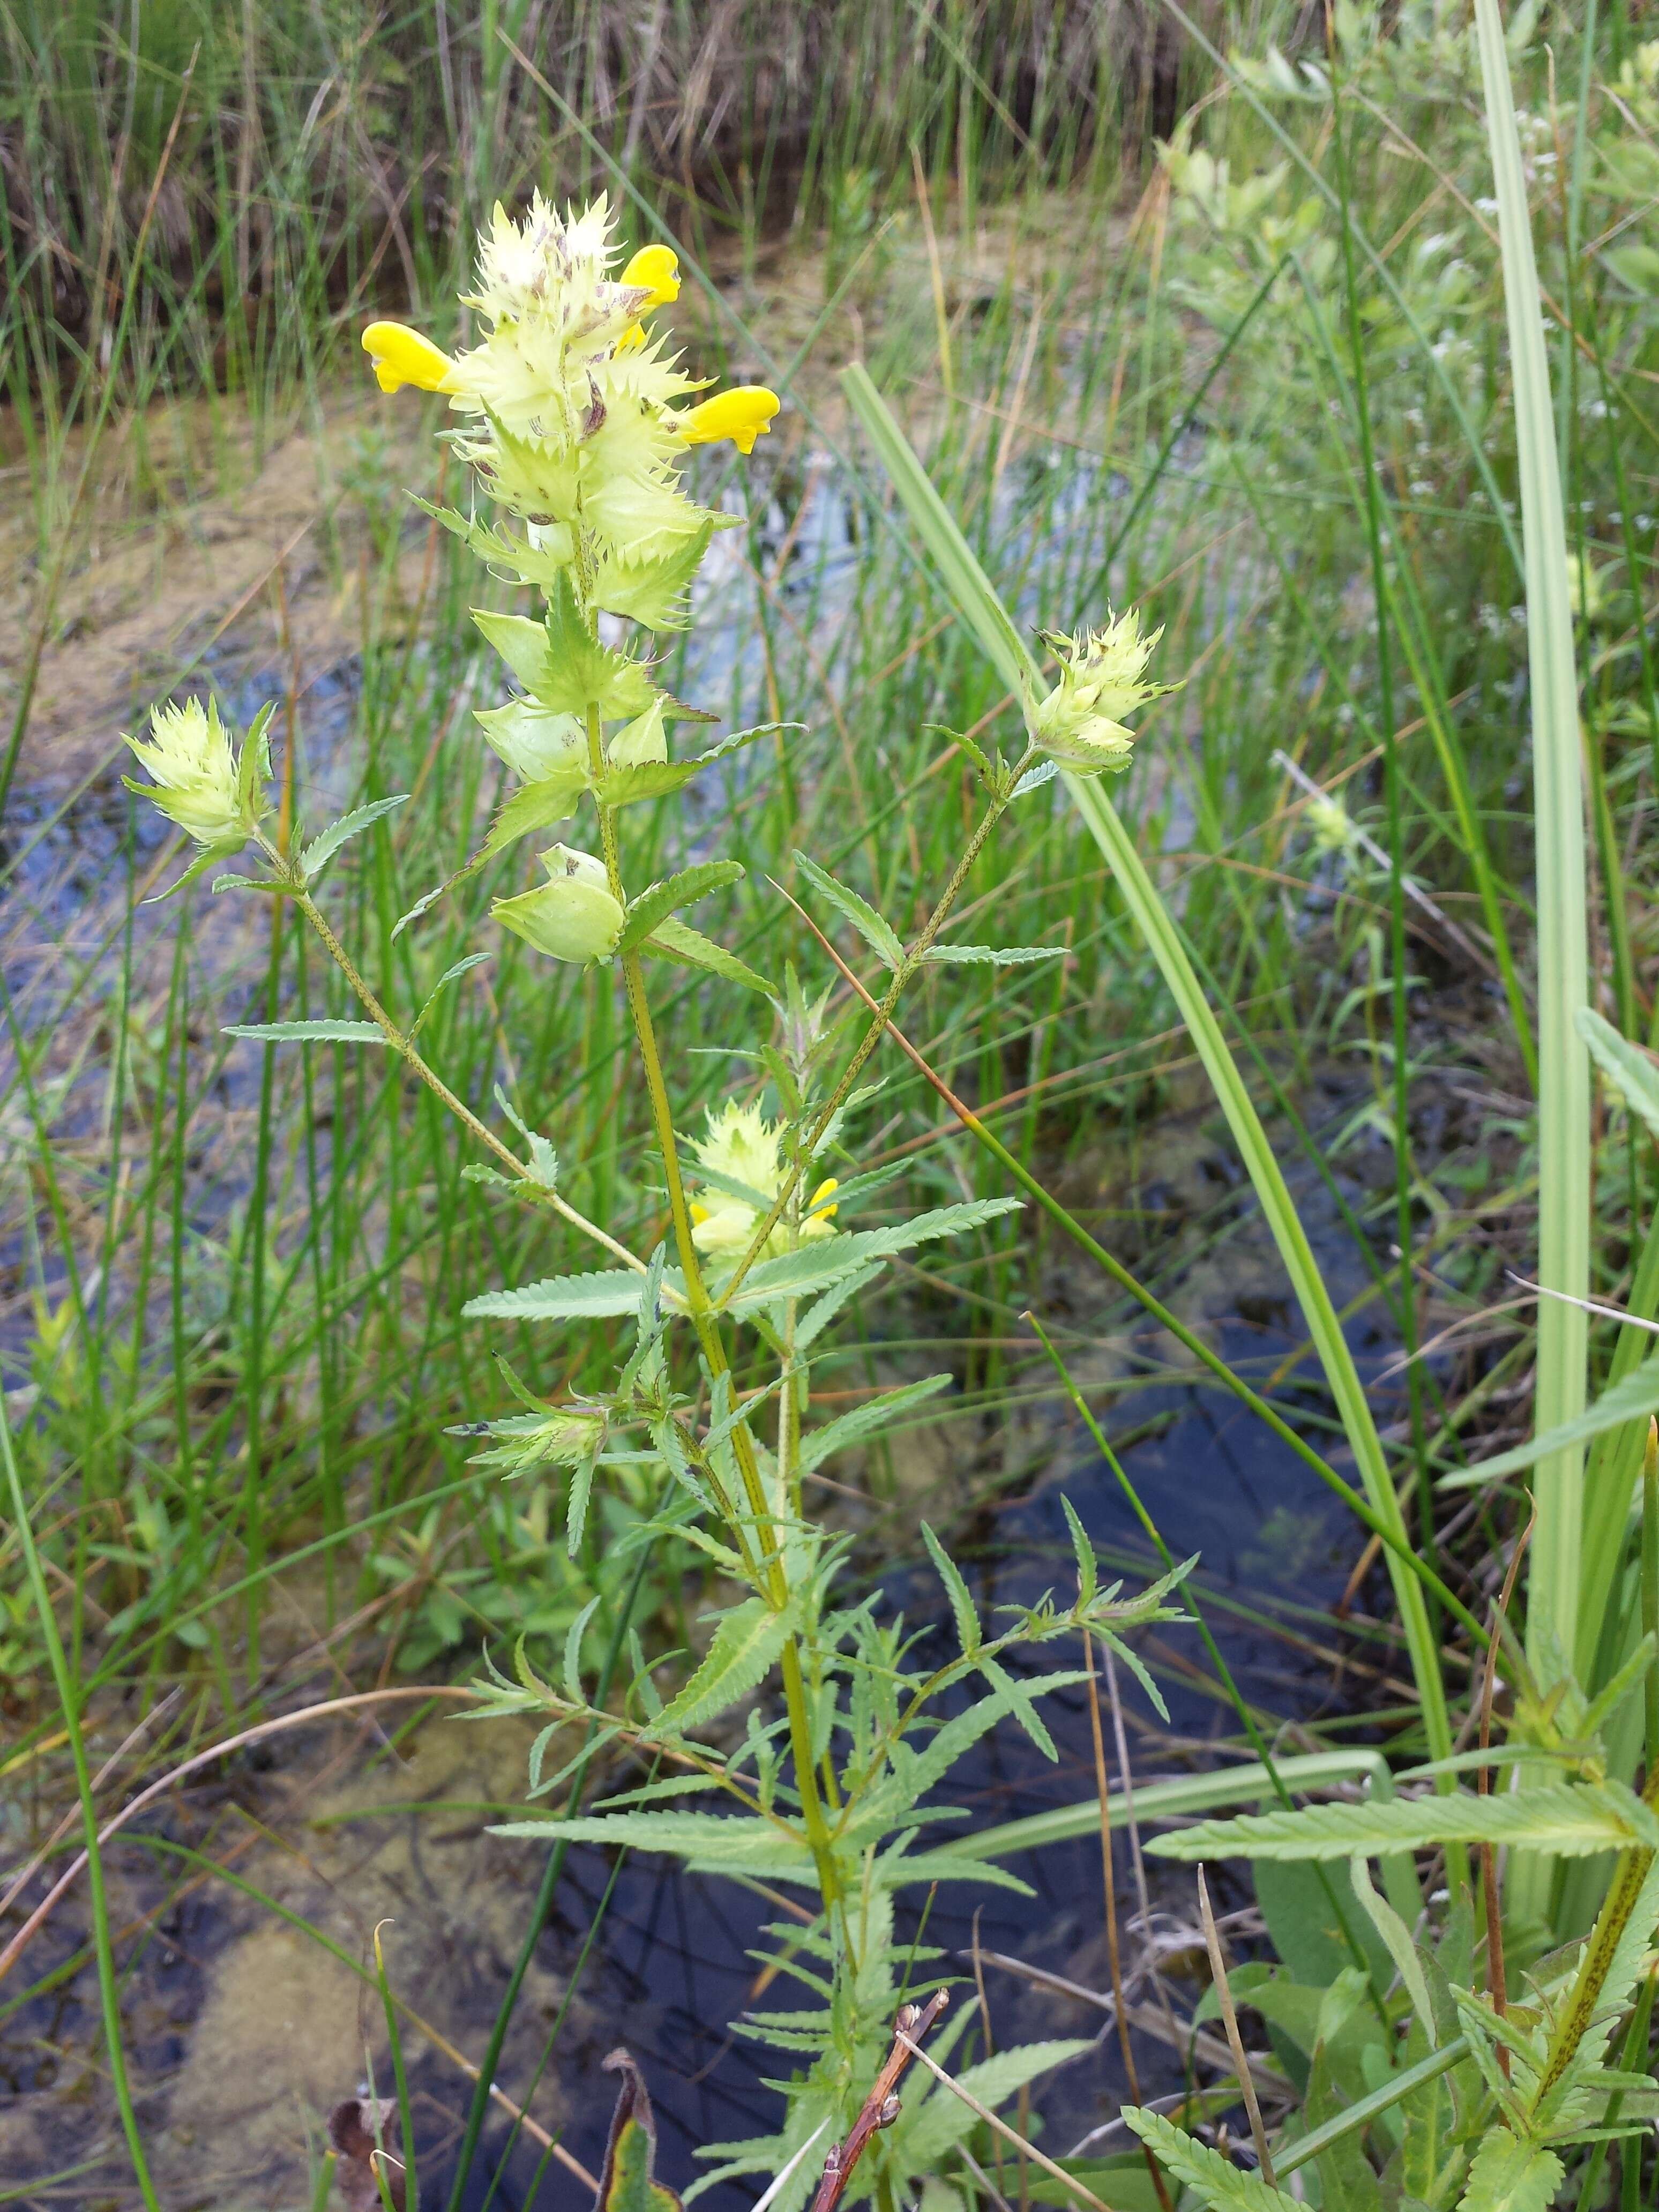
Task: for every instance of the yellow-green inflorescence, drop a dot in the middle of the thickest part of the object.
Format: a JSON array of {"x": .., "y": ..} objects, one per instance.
[
  {"x": 742, "y": 1148},
  {"x": 197, "y": 781},
  {"x": 574, "y": 418},
  {"x": 1102, "y": 674}
]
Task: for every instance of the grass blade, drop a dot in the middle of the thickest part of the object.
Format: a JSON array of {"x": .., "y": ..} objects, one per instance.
[
  {"x": 1564, "y": 1136},
  {"x": 985, "y": 616}
]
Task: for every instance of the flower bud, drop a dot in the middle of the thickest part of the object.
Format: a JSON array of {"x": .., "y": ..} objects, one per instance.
[
  {"x": 1101, "y": 680},
  {"x": 534, "y": 742},
  {"x": 198, "y": 779},
  {"x": 558, "y": 1435},
  {"x": 573, "y": 916}
]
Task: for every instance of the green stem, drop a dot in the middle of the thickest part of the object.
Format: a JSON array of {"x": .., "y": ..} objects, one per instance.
[
  {"x": 705, "y": 1321},
  {"x": 901, "y": 975}
]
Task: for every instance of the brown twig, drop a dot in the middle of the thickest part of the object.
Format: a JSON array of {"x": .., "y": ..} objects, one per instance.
[
  {"x": 881, "y": 2106},
  {"x": 1131, "y": 2073},
  {"x": 1234, "y": 2040}
]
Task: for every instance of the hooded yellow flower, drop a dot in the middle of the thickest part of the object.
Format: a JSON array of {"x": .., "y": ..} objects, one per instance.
[
  {"x": 197, "y": 781},
  {"x": 576, "y": 415},
  {"x": 742, "y": 1146},
  {"x": 1102, "y": 679}
]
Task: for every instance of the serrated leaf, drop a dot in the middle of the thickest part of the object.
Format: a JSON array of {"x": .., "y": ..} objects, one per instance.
[
  {"x": 962, "y": 1608},
  {"x": 818, "y": 1444},
  {"x": 677, "y": 940},
  {"x": 814, "y": 1267},
  {"x": 653, "y": 906},
  {"x": 559, "y": 662},
  {"x": 747, "y": 1641},
  {"x": 562, "y": 1297},
  {"x": 1573, "y": 1823},
  {"x": 324, "y": 845},
  {"x": 318, "y": 1032},
  {"x": 1509, "y": 2175},
  {"x": 655, "y": 592},
  {"x": 1088, "y": 1567},
  {"x": 199, "y": 866},
  {"x": 734, "y": 1842},
  {"x": 537, "y": 806},
  {"x": 877, "y": 934},
  {"x": 237, "y": 883},
  {"x": 818, "y": 1316},
  {"x": 944, "y": 2120},
  {"x": 450, "y": 975},
  {"x": 1631, "y": 1071},
  {"x": 1222, "y": 2185},
  {"x": 991, "y": 956}
]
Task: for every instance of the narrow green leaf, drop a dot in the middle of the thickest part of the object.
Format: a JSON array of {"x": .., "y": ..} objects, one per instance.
[
  {"x": 991, "y": 956},
  {"x": 1574, "y": 1823},
  {"x": 747, "y": 1641},
  {"x": 320, "y": 1032},
  {"x": 1631, "y": 1400},
  {"x": 655, "y": 905},
  {"x": 819, "y": 1445},
  {"x": 1629, "y": 1071},
  {"x": 815, "y": 1266},
  {"x": 877, "y": 934},
  {"x": 677, "y": 940},
  {"x": 562, "y": 1297},
  {"x": 1219, "y": 2184},
  {"x": 324, "y": 846}
]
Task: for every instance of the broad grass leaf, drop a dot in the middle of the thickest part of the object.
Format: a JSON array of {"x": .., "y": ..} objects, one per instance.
[
  {"x": 1574, "y": 1823},
  {"x": 747, "y": 1641}
]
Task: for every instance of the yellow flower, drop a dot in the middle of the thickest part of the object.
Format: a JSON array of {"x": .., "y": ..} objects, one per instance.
[
  {"x": 741, "y": 415},
  {"x": 198, "y": 782},
  {"x": 656, "y": 267},
  {"x": 1102, "y": 678},
  {"x": 402, "y": 356},
  {"x": 657, "y": 270},
  {"x": 742, "y": 1147}
]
